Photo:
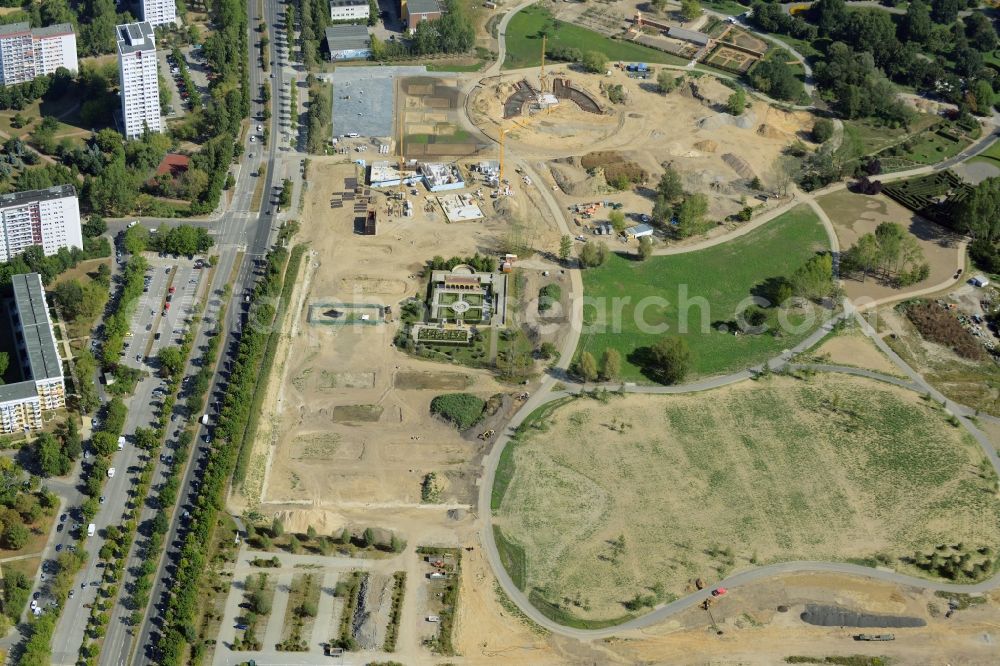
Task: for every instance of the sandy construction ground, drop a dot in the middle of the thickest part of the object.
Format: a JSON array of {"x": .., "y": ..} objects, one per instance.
[
  {"x": 854, "y": 349},
  {"x": 716, "y": 153},
  {"x": 854, "y": 215},
  {"x": 349, "y": 423},
  {"x": 774, "y": 471}
]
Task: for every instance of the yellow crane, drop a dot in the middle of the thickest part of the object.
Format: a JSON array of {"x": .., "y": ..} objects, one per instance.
[{"x": 541, "y": 75}]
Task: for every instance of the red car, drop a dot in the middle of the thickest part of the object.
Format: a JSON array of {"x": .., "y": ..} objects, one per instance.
[
  {"x": 719, "y": 591},
  {"x": 172, "y": 290},
  {"x": 166, "y": 306}
]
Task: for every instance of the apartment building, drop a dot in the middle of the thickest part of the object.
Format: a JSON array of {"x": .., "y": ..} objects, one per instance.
[
  {"x": 34, "y": 355},
  {"x": 140, "y": 90},
  {"x": 350, "y": 10},
  {"x": 26, "y": 52},
  {"x": 49, "y": 218},
  {"x": 158, "y": 12}
]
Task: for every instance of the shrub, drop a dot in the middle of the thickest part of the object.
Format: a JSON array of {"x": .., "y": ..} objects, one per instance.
[{"x": 464, "y": 410}]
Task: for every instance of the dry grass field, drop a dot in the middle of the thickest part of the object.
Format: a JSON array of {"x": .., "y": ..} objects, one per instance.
[{"x": 645, "y": 493}]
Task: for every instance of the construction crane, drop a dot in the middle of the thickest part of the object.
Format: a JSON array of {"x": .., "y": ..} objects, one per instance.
[
  {"x": 541, "y": 75},
  {"x": 500, "y": 173}
]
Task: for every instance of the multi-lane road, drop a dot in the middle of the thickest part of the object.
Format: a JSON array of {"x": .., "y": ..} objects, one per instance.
[{"x": 240, "y": 234}]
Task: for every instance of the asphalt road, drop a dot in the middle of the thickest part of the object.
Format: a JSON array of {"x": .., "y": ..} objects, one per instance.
[{"x": 238, "y": 229}]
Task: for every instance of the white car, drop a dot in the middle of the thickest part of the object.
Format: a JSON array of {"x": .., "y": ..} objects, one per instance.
[
  {"x": 260, "y": 128},
  {"x": 253, "y": 139},
  {"x": 433, "y": 618},
  {"x": 111, "y": 472}
]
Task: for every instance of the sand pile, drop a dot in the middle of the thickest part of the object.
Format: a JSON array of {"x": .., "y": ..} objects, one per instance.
[
  {"x": 300, "y": 520},
  {"x": 575, "y": 181},
  {"x": 770, "y": 132},
  {"x": 720, "y": 120},
  {"x": 707, "y": 146}
]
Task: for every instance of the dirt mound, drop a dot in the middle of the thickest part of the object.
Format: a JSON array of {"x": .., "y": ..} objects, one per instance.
[
  {"x": 770, "y": 132},
  {"x": 709, "y": 90},
  {"x": 576, "y": 182},
  {"x": 300, "y": 520},
  {"x": 720, "y": 120},
  {"x": 835, "y": 616},
  {"x": 615, "y": 166},
  {"x": 506, "y": 207},
  {"x": 707, "y": 146}
]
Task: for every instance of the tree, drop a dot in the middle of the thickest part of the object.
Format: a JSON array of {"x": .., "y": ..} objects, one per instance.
[
  {"x": 277, "y": 527},
  {"x": 94, "y": 226},
  {"x": 690, "y": 9},
  {"x": 915, "y": 25},
  {"x": 593, "y": 254},
  {"x": 945, "y": 11},
  {"x": 667, "y": 81},
  {"x": 645, "y": 248},
  {"x": 669, "y": 359},
  {"x": 982, "y": 97},
  {"x": 691, "y": 213},
  {"x": 617, "y": 219},
  {"x": 15, "y": 536},
  {"x": 822, "y": 130},
  {"x": 49, "y": 456},
  {"x": 595, "y": 62},
  {"x": 979, "y": 29},
  {"x": 776, "y": 78},
  {"x": 611, "y": 364},
  {"x": 670, "y": 187},
  {"x": 171, "y": 361},
  {"x": 814, "y": 280},
  {"x": 587, "y": 367},
  {"x": 565, "y": 247},
  {"x": 737, "y": 102},
  {"x": 368, "y": 537}
]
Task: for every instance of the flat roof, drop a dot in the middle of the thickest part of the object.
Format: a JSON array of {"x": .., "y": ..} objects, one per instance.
[
  {"x": 347, "y": 37},
  {"x": 53, "y": 30},
  {"x": 30, "y": 196},
  {"x": 423, "y": 6},
  {"x": 348, "y": 3},
  {"x": 39, "y": 340},
  {"x": 688, "y": 35},
  {"x": 134, "y": 37}
]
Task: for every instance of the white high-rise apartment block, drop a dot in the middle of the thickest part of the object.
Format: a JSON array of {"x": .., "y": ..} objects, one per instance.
[
  {"x": 50, "y": 218},
  {"x": 140, "y": 89},
  {"x": 158, "y": 12},
  {"x": 26, "y": 53},
  {"x": 34, "y": 355}
]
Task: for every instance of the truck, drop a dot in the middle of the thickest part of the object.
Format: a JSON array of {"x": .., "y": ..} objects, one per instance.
[
  {"x": 91, "y": 529},
  {"x": 204, "y": 419},
  {"x": 637, "y": 67},
  {"x": 875, "y": 637},
  {"x": 121, "y": 442}
]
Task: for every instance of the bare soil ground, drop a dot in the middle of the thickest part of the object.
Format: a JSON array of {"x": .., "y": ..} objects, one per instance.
[
  {"x": 854, "y": 215},
  {"x": 852, "y": 348},
  {"x": 686, "y": 128},
  {"x": 775, "y": 471},
  {"x": 315, "y": 443}
]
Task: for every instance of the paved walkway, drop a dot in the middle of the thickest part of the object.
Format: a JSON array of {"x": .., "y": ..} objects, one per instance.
[{"x": 546, "y": 393}]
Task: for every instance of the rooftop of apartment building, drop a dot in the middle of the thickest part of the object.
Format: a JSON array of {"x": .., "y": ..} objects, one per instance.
[
  {"x": 24, "y": 28},
  {"x": 29, "y": 196},
  {"x": 42, "y": 357},
  {"x": 133, "y": 37}
]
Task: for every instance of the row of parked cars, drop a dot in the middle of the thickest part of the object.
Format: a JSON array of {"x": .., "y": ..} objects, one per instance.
[{"x": 175, "y": 71}]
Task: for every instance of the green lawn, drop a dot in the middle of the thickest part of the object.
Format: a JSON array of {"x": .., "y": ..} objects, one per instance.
[
  {"x": 721, "y": 276},
  {"x": 524, "y": 43}
]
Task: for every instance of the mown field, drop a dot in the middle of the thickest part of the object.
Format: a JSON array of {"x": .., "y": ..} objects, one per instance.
[
  {"x": 721, "y": 277},
  {"x": 640, "y": 495},
  {"x": 524, "y": 41}
]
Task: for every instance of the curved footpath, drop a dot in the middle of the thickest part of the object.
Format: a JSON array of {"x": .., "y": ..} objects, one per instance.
[{"x": 558, "y": 374}]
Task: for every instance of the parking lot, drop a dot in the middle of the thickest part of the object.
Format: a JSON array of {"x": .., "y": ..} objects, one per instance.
[{"x": 165, "y": 308}]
